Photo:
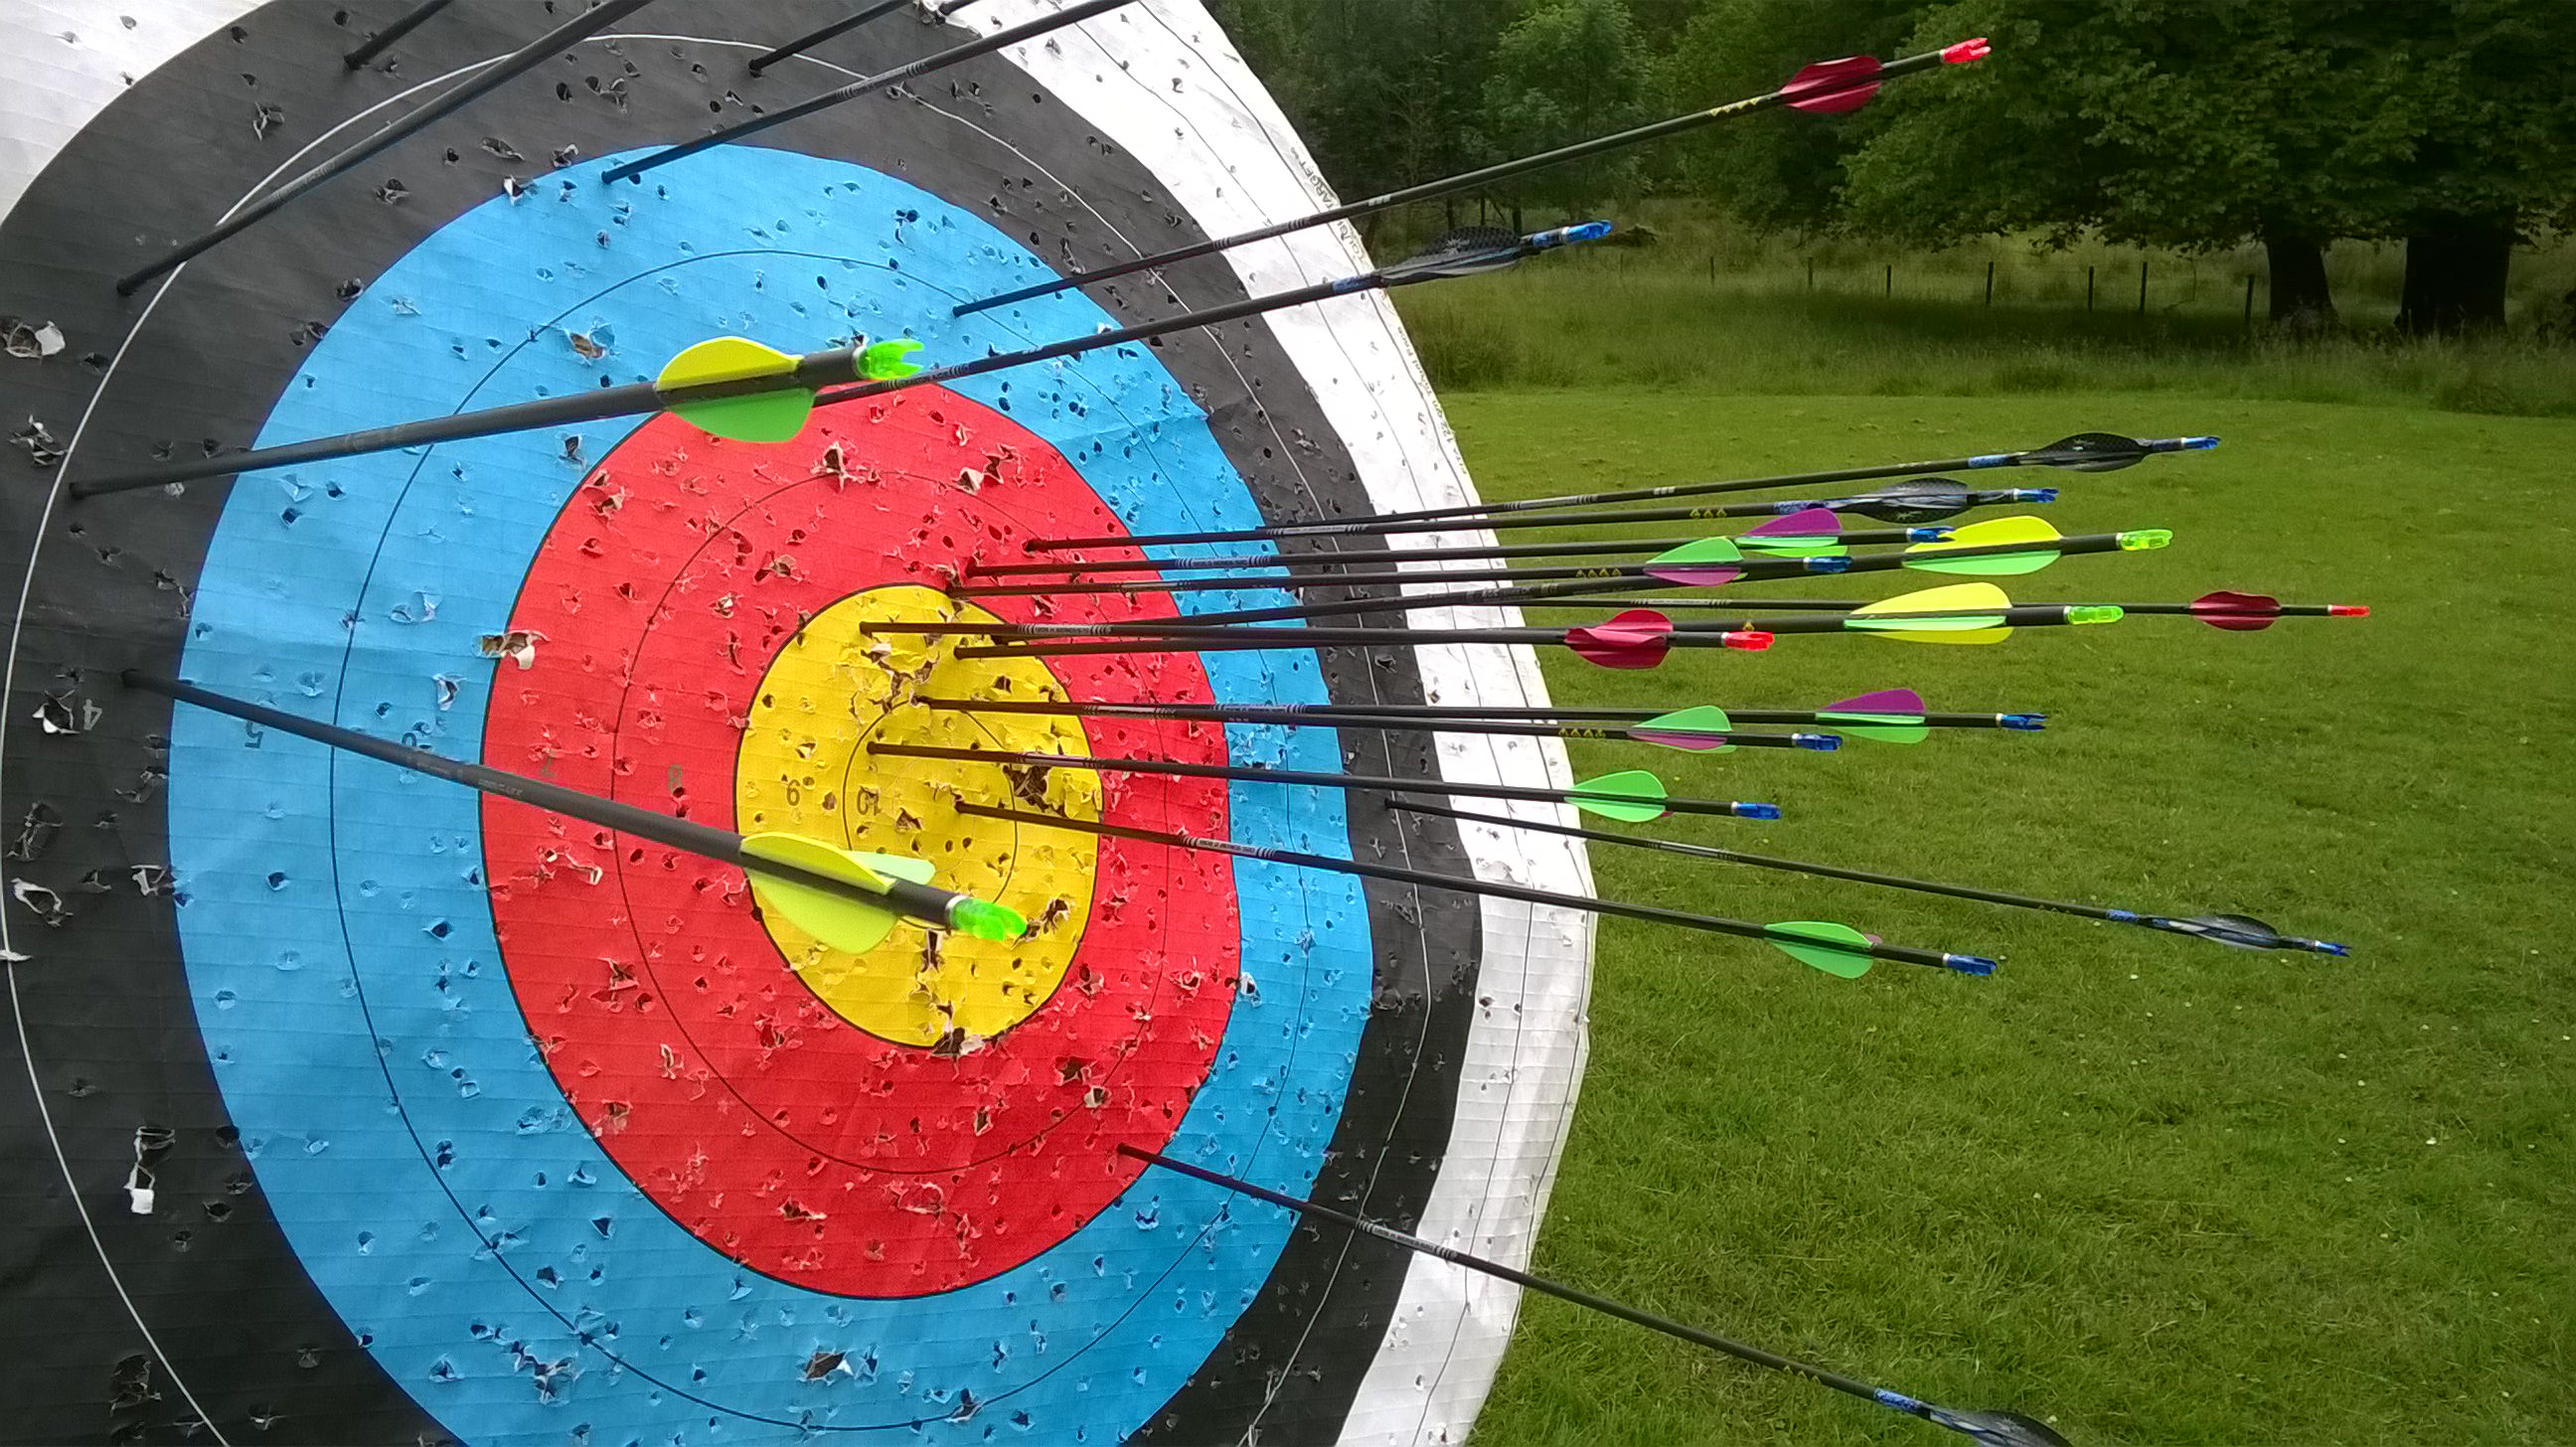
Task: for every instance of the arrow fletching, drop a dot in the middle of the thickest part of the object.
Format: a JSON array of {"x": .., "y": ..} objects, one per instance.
[
  {"x": 760, "y": 416},
  {"x": 1631, "y": 796},
  {"x": 1468, "y": 250},
  {"x": 1916, "y": 500},
  {"x": 2241, "y": 932},
  {"x": 1888, "y": 716},
  {"x": 2236, "y": 612},
  {"x": 1996, "y": 1429},
  {"x": 1833, "y": 87},
  {"x": 1836, "y": 949},
  {"x": 836, "y": 920},
  {"x": 1814, "y": 532},
  {"x": 2096, "y": 452},
  {"x": 1638, "y": 638},
  {"x": 1992, "y": 532},
  {"x": 1975, "y": 615},
  {"x": 1704, "y": 563},
  {"x": 1702, "y": 728}
]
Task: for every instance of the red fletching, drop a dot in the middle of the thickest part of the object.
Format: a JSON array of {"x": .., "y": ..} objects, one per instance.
[
  {"x": 1831, "y": 87},
  {"x": 1965, "y": 51},
  {"x": 1638, "y": 638},
  {"x": 2236, "y": 612}
]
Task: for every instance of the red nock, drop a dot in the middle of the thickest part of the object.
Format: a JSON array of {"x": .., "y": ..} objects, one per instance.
[{"x": 1965, "y": 51}]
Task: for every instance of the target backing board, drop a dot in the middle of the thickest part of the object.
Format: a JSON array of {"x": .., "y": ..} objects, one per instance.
[{"x": 349, "y": 1106}]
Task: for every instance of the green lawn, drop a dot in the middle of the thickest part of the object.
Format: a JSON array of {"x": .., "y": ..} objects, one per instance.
[{"x": 2158, "y": 1191}]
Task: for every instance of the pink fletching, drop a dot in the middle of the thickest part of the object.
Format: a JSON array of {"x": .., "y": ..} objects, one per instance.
[
  {"x": 1886, "y": 700},
  {"x": 1634, "y": 639},
  {"x": 2236, "y": 612},
  {"x": 1831, "y": 87},
  {"x": 1814, "y": 522}
]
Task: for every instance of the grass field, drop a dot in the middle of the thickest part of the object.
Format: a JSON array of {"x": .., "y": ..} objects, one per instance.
[{"x": 2158, "y": 1190}]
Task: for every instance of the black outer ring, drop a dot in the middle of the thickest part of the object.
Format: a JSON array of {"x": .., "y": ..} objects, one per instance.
[{"x": 105, "y": 1009}]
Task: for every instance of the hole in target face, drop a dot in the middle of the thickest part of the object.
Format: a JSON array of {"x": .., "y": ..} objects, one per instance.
[{"x": 939, "y": 1108}]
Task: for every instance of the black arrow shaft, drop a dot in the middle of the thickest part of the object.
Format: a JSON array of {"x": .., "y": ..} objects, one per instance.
[
  {"x": 1450, "y": 185},
  {"x": 1363, "y": 782},
  {"x": 1374, "y": 556},
  {"x": 721, "y": 845},
  {"x": 812, "y": 370},
  {"x": 375, "y": 44},
  {"x": 812, "y": 38},
  {"x": 517, "y": 63},
  {"x": 1772, "y": 862},
  {"x": 1455, "y": 1257},
  {"x": 1297, "y": 713},
  {"x": 938, "y": 60}
]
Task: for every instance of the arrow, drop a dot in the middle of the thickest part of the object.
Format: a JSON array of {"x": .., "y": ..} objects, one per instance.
[
  {"x": 510, "y": 67},
  {"x": 2224, "y": 610},
  {"x": 1828, "y": 87},
  {"x": 2234, "y": 930},
  {"x": 1998, "y": 547},
  {"x": 812, "y": 38},
  {"x": 1962, "y": 613},
  {"x": 1461, "y": 253},
  {"x": 1894, "y": 715},
  {"x": 843, "y": 897},
  {"x": 1631, "y": 796},
  {"x": 1993, "y": 1429},
  {"x": 1813, "y": 531},
  {"x": 1701, "y": 729},
  {"x": 1054, "y": 20},
  {"x": 1836, "y": 949},
  {"x": 2083, "y": 452}
]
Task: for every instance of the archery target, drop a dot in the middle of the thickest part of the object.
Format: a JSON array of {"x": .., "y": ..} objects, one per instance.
[{"x": 412, "y": 1113}]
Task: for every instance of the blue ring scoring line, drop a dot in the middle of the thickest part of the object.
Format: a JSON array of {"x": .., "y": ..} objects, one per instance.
[{"x": 339, "y": 945}]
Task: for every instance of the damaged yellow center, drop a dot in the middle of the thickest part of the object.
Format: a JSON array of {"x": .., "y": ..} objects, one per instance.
[{"x": 804, "y": 768}]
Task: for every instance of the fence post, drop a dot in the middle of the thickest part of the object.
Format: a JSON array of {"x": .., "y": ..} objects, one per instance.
[
  {"x": 2088, "y": 288},
  {"x": 1990, "y": 283},
  {"x": 2249, "y": 298},
  {"x": 1811, "y": 276},
  {"x": 1891, "y": 281},
  {"x": 2142, "y": 286},
  {"x": 1712, "y": 268}
]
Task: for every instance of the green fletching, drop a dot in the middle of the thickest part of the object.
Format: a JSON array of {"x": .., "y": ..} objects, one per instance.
[
  {"x": 1793, "y": 547},
  {"x": 1885, "y": 728},
  {"x": 884, "y": 361},
  {"x": 2000, "y": 565},
  {"x": 1702, "y": 550},
  {"x": 1705, "y": 718},
  {"x": 1945, "y": 623},
  {"x": 1836, "y": 949},
  {"x": 761, "y": 417},
  {"x": 1637, "y": 797}
]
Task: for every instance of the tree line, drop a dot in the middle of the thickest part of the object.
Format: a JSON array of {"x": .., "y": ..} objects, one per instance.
[{"x": 2199, "y": 125}]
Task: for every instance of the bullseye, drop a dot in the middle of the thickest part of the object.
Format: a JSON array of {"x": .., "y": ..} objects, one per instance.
[{"x": 804, "y": 768}]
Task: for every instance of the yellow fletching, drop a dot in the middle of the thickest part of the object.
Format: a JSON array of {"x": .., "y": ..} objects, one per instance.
[
  {"x": 836, "y": 920},
  {"x": 1977, "y": 602},
  {"x": 724, "y": 359}
]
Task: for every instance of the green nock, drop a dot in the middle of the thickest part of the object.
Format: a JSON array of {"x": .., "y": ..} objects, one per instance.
[
  {"x": 884, "y": 361},
  {"x": 1634, "y": 796},
  {"x": 986, "y": 920},
  {"x": 2094, "y": 613},
  {"x": 2143, "y": 540},
  {"x": 1836, "y": 949}
]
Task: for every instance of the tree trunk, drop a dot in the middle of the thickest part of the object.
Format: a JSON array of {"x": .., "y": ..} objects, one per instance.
[
  {"x": 2301, "y": 299},
  {"x": 2455, "y": 274}
]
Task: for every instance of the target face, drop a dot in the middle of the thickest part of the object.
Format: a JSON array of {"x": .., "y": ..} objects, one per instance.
[{"x": 372, "y": 1109}]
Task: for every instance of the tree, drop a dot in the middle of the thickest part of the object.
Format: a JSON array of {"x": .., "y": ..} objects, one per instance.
[{"x": 1567, "y": 70}]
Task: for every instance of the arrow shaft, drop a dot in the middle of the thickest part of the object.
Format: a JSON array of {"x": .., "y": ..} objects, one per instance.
[
  {"x": 1375, "y": 526},
  {"x": 1650, "y": 914},
  {"x": 1298, "y": 713},
  {"x": 920, "y": 901},
  {"x": 634, "y": 398},
  {"x": 508, "y": 68},
  {"x": 812, "y": 38},
  {"x": 1450, "y": 185},
  {"x": 1375, "y": 556},
  {"x": 938, "y": 60},
  {"x": 1363, "y": 782}
]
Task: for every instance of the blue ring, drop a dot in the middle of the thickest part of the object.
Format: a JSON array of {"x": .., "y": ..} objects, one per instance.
[{"x": 439, "y": 1189}]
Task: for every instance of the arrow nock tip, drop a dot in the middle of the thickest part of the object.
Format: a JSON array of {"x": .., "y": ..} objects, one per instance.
[
  {"x": 2142, "y": 540},
  {"x": 2198, "y": 444},
  {"x": 1755, "y": 811},
  {"x": 2029, "y": 723},
  {"x": 2329, "y": 947},
  {"x": 2094, "y": 613},
  {"x": 1968, "y": 964},
  {"x": 1965, "y": 51},
  {"x": 1825, "y": 565},
  {"x": 1747, "y": 640},
  {"x": 2347, "y": 610},
  {"x": 986, "y": 920},
  {"x": 1821, "y": 743}
]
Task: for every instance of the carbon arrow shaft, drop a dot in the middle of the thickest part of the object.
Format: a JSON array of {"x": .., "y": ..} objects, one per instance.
[
  {"x": 1466, "y": 180},
  {"x": 1327, "y": 712},
  {"x": 1374, "y": 556},
  {"x": 921, "y": 901}
]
